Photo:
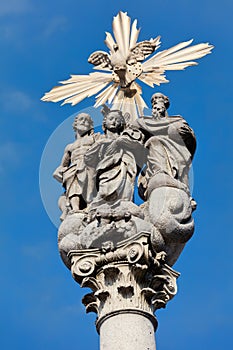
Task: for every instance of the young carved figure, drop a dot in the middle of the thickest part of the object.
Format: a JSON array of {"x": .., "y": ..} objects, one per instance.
[
  {"x": 114, "y": 160},
  {"x": 75, "y": 176}
]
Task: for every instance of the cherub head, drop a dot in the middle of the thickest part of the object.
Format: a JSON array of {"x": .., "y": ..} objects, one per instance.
[{"x": 113, "y": 121}]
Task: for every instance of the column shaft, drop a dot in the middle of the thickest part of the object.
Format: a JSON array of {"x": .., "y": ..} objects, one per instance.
[{"x": 127, "y": 331}]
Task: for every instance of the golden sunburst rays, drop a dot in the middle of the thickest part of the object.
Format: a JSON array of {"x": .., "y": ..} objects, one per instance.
[{"x": 127, "y": 61}]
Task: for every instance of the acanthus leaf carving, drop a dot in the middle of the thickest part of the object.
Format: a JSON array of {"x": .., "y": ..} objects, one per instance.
[{"x": 118, "y": 284}]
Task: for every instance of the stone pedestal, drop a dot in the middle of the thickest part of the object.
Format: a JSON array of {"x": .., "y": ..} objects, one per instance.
[{"x": 129, "y": 282}]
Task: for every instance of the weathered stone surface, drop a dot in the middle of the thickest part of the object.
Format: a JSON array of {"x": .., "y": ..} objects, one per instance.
[
  {"x": 101, "y": 181},
  {"x": 127, "y": 331},
  {"x": 129, "y": 277},
  {"x": 75, "y": 176},
  {"x": 122, "y": 251}
]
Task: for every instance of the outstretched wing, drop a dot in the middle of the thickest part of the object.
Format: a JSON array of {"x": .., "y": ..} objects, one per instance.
[
  {"x": 100, "y": 58},
  {"x": 144, "y": 48},
  {"x": 78, "y": 87},
  {"x": 150, "y": 72},
  {"x": 177, "y": 57}
]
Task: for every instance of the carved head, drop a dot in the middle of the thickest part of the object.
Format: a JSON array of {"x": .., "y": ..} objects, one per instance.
[
  {"x": 113, "y": 121},
  {"x": 160, "y": 98},
  {"x": 160, "y": 104},
  {"x": 159, "y": 111},
  {"x": 83, "y": 124}
]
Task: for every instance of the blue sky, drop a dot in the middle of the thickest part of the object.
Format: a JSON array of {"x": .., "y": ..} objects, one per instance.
[{"x": 42, "y": 43}]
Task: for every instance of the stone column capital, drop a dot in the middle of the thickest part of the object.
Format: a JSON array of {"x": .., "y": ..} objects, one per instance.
[{"x": 127, "y": 278}]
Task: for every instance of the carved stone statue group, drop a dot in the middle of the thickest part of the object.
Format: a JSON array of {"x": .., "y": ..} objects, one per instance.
[{"x": 101, "y": 174}]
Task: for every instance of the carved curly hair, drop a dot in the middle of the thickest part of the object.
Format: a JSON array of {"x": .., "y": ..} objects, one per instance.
[{"x": 122, "y": 119}]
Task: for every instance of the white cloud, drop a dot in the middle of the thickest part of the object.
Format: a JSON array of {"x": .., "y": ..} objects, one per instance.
[
  {"x": 9, "y": 155},
  {"x": 38, "y": 251},
  {"x": 56, "y": 24},
  {"x": 9, "y": 7},
  {"x": 15, "y": 101},
  {"x": 14, "y": 33}
]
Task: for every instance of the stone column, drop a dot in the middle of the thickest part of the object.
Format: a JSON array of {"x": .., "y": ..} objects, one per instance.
[
  {"x": 129, "y": 282},
  {"x": 127, "y": 331}
]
